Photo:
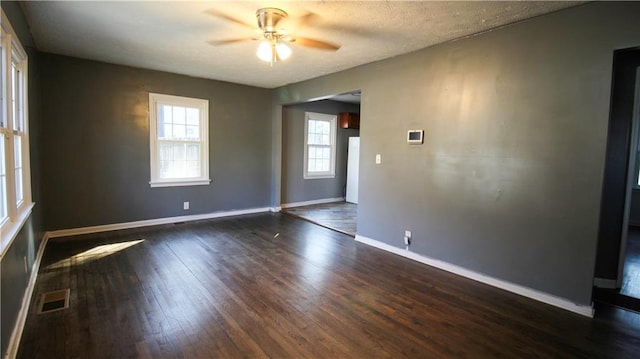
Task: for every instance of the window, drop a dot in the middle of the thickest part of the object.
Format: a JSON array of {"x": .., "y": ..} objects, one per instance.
[
  {"x": 179, "y": 133},
  {"x": 15, "y": 185},
  {"x": 319, "y": 145}
]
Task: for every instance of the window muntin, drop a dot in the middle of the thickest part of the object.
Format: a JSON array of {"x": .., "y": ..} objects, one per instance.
[
  {"x": 179, "y": 140},
  {"x": 320, "y": 145}
]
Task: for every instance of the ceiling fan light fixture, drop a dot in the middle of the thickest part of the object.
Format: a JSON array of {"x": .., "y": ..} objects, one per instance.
[
  {"x": 283, "y": 51},
  {"x": 265, "y": 52},
  {"x": 272, "y": 51}
]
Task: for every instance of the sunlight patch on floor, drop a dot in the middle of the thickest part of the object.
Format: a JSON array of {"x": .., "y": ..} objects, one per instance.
[{"x": 94, "y": 253}]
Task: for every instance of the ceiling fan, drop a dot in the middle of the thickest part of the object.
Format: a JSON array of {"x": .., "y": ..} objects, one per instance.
[{"x": 273, "y": 38}]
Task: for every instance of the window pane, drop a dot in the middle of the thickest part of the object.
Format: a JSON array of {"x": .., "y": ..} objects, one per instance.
[
  {"x": 193, "y": 133},
  {"x": 324, "y": 127},
  {"x": 179, "y": 160},
  {"x": 18, "y": 179},
  {"x": 167, "y": 113},
  {"x": 17, "y": 150},
  {"x": 166, "y": 152},
  {"x": 326, "y": 152},
  {"x": 167, "y": 132},
  {"x": 3, "y": 182},
  {"x": 311, "y": 137},
  {"x": 193, "y": 152},
  {"x": 178, "y": 132},
  {"x": 14, "y": 95},
  {"x": 325, "y": 140},
  {"x": 193, "y": 116},
  {"x": 179, "y": 115}
]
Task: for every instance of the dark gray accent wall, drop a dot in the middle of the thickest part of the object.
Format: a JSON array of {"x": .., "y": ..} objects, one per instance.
[
  {"x": 96, "y": 126},
  {"x": 14, "y": 279},
  {"x": 509, "y": 180},
  {"x": 294, "y": 187}
]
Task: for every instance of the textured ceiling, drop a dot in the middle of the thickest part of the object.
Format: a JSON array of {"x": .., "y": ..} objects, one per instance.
[{"x": 173, "y": 36}]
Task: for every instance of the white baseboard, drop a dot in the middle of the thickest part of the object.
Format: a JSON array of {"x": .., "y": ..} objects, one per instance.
[
  {"x": 16, "y": 335},
  {"x": 605, "y": 283},
  {"x": 275, "y": 209},
  {"x": 585, "y": 310},
  {"x": 151, "y": 222},
  {"x": 315, "y": 201}
]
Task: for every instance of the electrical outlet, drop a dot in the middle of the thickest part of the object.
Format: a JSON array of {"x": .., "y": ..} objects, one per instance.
[
  {"x": 185, "y": 206},
  {"x": 407, "y": 238},
  {"x": 378, "y": 159}
]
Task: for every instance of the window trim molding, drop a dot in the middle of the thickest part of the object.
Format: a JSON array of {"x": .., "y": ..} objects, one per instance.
[
  {"x": 203, "y": 106},
  {"x": 333, "y": 120},
  {"x": 17, "y": 213}
]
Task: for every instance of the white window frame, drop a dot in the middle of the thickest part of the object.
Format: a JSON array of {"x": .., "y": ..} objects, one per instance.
[
  {"x": 333, "y": 121},
  {"x": 17, "y": 213},
  {"x": 203, "y": 106}
]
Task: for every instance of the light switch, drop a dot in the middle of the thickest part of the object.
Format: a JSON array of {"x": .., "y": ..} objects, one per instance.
[{"x": 378, "y": 159}]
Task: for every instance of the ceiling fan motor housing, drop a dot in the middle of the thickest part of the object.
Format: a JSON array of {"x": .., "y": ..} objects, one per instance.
[{"x": 269, "y": 17}]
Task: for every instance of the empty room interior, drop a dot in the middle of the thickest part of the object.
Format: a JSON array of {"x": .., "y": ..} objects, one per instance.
[{"x": 320, "y": 179}]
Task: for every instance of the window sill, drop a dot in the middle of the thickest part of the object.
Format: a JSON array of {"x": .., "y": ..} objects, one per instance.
[
  {"x": 12, "y": 229},
  {"x": 180, "y": 183},
  {"x": 319, "y": 176}
]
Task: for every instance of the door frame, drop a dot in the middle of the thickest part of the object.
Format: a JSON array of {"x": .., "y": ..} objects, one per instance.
[
  {"x": 631, "y": 177},
  {"x": 615, "y": 182}
]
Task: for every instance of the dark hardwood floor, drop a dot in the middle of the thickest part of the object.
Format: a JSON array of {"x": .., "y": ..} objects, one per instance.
[
  {"x": 631, "y": 271},
  {"x": 339, "y": 216},
  {"x": 271, "y": 285}
]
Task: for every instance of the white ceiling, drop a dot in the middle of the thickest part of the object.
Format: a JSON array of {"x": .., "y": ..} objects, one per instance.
[{"x": 172, "y": 36}]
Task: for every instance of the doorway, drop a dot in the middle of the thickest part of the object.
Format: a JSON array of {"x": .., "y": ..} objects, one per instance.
[
  {"x": 620, "y": 204},
  {"x": 329, "y": 201},
  {"x": 629, "y": 267}
]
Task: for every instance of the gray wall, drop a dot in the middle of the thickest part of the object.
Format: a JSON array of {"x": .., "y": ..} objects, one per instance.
[
  {"x": 294, "y": 187},
  {"x": 508, "y": 182},
  {"x": 96, "y": 166},
  {"x": 14, "y": 279}
]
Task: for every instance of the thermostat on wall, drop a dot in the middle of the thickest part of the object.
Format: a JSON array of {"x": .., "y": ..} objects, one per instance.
[{"x": 415, "y": 137}]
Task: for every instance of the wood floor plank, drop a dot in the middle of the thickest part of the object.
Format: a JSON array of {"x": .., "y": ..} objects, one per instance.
[{"x": 273, "y": 286}]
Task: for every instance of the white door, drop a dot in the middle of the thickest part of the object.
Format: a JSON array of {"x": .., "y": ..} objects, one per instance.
[{"x": 353, "y": 163}]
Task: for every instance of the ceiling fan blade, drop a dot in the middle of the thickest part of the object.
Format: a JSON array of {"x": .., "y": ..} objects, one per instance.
[
  {"x": 229, "y": 41},
  {"x": 229, "y": 18},
  {"x": 308, "y": 19},
  {"x": 317, "y": 44}
]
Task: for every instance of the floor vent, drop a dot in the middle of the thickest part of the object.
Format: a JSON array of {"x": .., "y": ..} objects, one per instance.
[{"x": 54, "y": 301}]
